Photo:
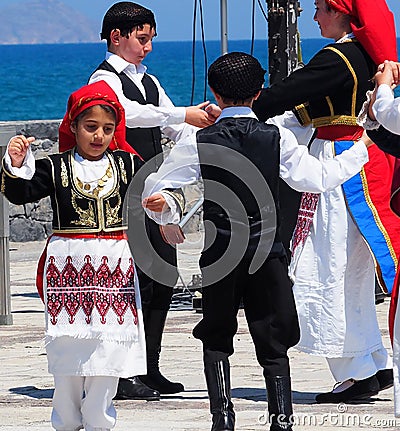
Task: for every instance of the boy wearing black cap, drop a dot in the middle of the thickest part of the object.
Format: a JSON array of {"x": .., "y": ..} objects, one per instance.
[
  {"x": 240, "y": 160},
  {"x": 129, "y": 29}
]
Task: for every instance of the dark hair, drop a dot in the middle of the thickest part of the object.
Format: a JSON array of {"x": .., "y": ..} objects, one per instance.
[
  {"x": 126, "y": 16},
  {"x": 236, "y": 76},
  {"x": 84, "y": 113}
]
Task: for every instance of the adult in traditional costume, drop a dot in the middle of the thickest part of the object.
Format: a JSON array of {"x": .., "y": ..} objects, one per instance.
[
  {"x": 87, "y": 277},
  {"x": 343, "y": 234}
]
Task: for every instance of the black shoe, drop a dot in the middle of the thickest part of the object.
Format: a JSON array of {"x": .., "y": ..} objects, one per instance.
[
  {"x": 157, "y": 381},
  {"x": 134, "y": 389},
  {"x": 360, "y": 390},
  {"x": 385, "y": 378}
]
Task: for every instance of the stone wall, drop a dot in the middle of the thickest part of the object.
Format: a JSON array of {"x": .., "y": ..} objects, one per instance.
[{"x": 32, "y": 222}]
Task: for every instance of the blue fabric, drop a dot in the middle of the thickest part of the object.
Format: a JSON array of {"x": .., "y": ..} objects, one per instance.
[{"x": 359, "y": 204}]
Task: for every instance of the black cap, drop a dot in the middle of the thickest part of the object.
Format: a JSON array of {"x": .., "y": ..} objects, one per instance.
[
  {"x": 236, "y": 76},
  {"x": 126, "y": 15}
]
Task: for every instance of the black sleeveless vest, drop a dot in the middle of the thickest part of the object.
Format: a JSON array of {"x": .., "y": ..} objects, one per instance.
[
  {"x": 247, "y": 178},
  {"x": 147, "y": 140}
]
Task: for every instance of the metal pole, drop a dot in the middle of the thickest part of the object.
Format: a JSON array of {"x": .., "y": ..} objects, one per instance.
[
  {"x": 224, "y": 27},
  {"x": 6, "y": 132}
]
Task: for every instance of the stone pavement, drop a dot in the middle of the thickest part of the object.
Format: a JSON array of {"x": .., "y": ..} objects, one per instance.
[{"x": 26, "y": 387}]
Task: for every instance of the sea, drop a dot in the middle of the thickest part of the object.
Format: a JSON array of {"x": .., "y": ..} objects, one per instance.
[{"x": 36, "y": 80}]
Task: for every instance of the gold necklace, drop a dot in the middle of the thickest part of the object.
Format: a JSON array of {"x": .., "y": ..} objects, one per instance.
[{"x": 101, "y": 182}]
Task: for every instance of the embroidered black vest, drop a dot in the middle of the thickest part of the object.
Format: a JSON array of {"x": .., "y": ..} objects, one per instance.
[
  {"x": 247, "y": 178},
  {"x": 147, "y": 140},
  {"x": 74, "y": 210}
]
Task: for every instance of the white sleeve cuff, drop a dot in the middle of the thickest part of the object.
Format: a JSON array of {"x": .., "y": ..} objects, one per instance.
[
  {"x": 363, "y": 119},
  {"x": 26, "y": 171}
]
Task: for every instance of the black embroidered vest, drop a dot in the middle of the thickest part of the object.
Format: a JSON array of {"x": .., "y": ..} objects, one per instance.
[
  {"x": 76, "y": 211},
  {"x": 147, "y": 140}
]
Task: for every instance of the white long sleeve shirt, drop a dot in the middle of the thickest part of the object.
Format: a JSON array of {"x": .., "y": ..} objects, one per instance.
[
  {"x": 167, "y": 116},
  {"x": 386, "y": 109},
  {"x": 298, "y": 168}
]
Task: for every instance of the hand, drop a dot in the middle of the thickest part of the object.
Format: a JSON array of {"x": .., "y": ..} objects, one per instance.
[
  {"x": 213, "y": 110},
  {"x": 172, "y": 234},
  {"x": 199, "y": 117},
  {"x": 366, "y": 140},
  {"x": 388, "y": 73},
  {"x": 156, "y": 203},
  {"x": 17, "y": 149}
]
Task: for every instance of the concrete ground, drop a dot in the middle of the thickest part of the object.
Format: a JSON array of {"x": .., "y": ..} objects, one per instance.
[{"x": 26, "y": 387}]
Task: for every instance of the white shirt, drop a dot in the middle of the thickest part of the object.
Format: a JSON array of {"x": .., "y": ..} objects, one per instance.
[
  {"x": 167, "y": 116},
  {"x": 387, "y": 109},
  {"x": 298, "y": 168}
]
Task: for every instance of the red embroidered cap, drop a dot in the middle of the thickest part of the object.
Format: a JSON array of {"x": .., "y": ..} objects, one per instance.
[
  {"x": 372, "y": 24},
  {"x": 98, "y": 93}
]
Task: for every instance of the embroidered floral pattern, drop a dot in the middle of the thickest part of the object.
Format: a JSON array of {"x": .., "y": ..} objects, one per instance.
[
  {"x": 64, "y": 174},
  {"x": 86, "y": 217},
  {"x": 308, "y": 205},
  {"x": 112, "y": 213},
  {"x": 123, "y": 170},
  {"x": 102, "y": 291}
]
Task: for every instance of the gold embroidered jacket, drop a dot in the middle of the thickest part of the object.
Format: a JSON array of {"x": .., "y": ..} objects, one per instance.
[
  {"x": 74, "y": 209},
  {"x": 329, "y": 90}
]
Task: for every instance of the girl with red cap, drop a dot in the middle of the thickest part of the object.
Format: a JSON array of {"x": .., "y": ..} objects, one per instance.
[
  {"x": 94, "y": 323},
  {"x": 342, "y": 234}
]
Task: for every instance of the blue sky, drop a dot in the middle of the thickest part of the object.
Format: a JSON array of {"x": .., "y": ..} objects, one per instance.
[{"x": 174, "y": 17}]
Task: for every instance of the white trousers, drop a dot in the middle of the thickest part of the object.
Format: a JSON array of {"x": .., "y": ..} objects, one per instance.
[
  {"x": 84, "y": 402},
  {"x": 359, "y": 367}
]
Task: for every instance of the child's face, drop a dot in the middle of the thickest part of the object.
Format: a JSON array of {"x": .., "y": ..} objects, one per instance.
[
  {"x": 94, "y": 132},
  {"x": 137, "y": 46}
]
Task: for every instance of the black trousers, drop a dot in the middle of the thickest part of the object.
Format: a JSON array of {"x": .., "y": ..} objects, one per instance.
[
  {"x": 154, "y": 293},
  {"x": 269, "y": 309}
]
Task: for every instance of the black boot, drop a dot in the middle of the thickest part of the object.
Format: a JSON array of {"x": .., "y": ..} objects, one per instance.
[
  {"x": 279, "y": 403},
  {"x": 154, "y": 321},
  {"x": 134, "y": 389},
  {"x": 219, "y": 392}
]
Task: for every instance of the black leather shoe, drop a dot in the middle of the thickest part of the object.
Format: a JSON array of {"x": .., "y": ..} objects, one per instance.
[
  {"x": 360, "y": 390},
  {"x": 161, "y": 384},
  {"x": 385, "y": 378},
  {"x": 134, "y": 389}
]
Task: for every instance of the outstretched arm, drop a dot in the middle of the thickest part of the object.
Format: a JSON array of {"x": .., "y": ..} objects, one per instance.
[
  {"x": 180, "y": 168},
  {"x": 306, "y": 173}
]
